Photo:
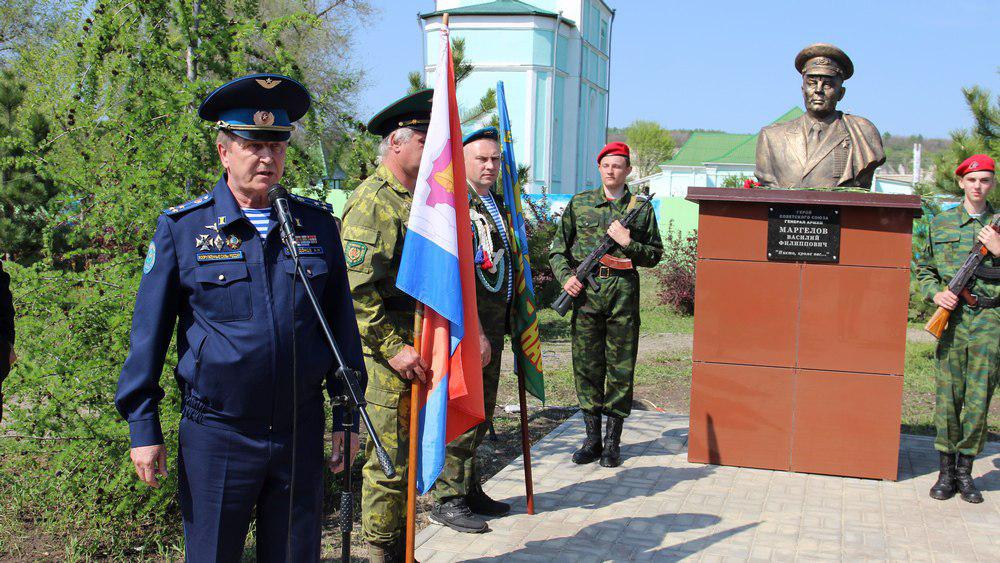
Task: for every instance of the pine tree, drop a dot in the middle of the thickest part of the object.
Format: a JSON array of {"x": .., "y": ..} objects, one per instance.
[
  {"x": 983, "y": 138},
  {"x": 25, "y": 196}
]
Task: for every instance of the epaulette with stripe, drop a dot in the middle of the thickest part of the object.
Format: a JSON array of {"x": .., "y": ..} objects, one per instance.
[
  {"x": 174, "y": 210},
  {"x": 313, "y": 203}
]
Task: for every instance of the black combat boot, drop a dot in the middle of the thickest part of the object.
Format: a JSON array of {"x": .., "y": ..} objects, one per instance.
[
  {"x": 591, "y": 449},
  {"x": 944, "y": 489},
  {"x": 612, "y": 455},
  {"x": 389, "y": 553},
  {"x": 456, "y": 515},
  {"x": 481, "y": 503},
  {"x": 963, "y": 475}
]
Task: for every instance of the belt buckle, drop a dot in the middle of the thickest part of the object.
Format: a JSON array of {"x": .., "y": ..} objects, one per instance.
[{"x": 604, "y": 272}]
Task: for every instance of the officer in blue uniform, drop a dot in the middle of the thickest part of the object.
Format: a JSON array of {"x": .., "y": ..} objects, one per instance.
[{"x": 217, "y": 267}]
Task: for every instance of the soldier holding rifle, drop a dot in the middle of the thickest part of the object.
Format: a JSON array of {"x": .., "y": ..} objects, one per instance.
[
  {"x": 967, "y": 352},
  {"x": 605, "y": 322}
]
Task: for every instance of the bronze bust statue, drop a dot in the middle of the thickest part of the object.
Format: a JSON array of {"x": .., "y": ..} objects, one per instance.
[{"x": 825, "y": 147}]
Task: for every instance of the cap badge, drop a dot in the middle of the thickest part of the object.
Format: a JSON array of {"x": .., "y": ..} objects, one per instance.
[
  {"x": 263, "y": 118},
  {"x": 268, "y": 83},
  {"x": 973, "y": 165}
]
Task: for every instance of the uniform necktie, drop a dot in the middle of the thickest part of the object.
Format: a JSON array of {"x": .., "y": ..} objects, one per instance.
[{"x": 815, "y": 137}]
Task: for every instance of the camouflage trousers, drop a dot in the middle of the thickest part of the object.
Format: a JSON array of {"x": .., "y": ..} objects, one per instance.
[
  {"x": 605, "y": 338},
  {"x": 383, "y": 500},
  {"x": 460, "y": 471},
  {"x": 968, "y": 356}
]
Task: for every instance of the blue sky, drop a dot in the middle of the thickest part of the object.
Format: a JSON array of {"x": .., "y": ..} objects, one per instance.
[{"x": 728, "y": 64}]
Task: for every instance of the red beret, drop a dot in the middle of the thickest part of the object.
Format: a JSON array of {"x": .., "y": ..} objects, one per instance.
[
  {"x": 975, "y": 163},
  {"x": 613, "y": 149}
]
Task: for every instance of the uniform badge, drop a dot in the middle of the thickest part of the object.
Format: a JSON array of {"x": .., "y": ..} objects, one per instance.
[
  {"x": 233, "y": 242},
  {"x": 308, "y": 251},
  {"x": 263, "y": 118},
  {"x": 220, "y": 256},
  {"x": 207, "y": 243},
  {"x": 268, "y": 83},
  {"x": 147, "y": 266},
  {"x": 355, "y": 252},
  {"x": 210, "y": 242}
]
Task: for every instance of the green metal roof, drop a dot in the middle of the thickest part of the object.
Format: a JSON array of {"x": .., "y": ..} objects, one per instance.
[
  {"x": 723, "y": 148},
  {"x": 498, "y": 8},
  {"x": 702, "y": 147}
]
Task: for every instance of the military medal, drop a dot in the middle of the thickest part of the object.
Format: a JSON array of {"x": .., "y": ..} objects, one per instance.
[{"x": 233, "y": 242}]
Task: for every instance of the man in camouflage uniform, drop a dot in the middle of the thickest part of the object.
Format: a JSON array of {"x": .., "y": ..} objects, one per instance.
[
  {"x": 375, "y": 220},
  {"x": 605, "y": 323},
  {"x": 968, "y": 352},
  {"x": 459, "y": 495}
]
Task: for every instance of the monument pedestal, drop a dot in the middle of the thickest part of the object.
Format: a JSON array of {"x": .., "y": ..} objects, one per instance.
[{"x": 798, "y": 356}]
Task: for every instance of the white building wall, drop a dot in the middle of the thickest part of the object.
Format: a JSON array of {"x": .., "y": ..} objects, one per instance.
[{"x": 519, "y": 51}]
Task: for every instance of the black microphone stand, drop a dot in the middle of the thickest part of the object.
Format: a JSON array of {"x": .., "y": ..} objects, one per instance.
[{"x": 350, "y": 401}]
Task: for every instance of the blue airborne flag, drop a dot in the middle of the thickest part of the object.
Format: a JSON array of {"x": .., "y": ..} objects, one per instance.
[{"x": 527, "y": 346}]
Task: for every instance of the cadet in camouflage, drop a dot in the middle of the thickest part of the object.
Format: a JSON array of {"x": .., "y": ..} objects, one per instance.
[
  {"x": 968, "y": 352},
  {"x": 458, "y": 493},
  {"x": 605, "y": 323},
  {"x": 374, "y": 226}
]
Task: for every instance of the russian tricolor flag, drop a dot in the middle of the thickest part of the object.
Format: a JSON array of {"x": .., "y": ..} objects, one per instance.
[{"x": 437, "y": 270}]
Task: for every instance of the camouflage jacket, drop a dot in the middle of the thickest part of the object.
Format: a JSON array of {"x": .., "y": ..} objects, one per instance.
[
  {"x": 952, "y": 235},
  {"x": 584, "y": 223},
  {"x": 375, "y": 220}
]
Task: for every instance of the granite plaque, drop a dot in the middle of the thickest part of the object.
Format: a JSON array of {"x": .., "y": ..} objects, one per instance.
[{"x": 803, "y": 233}]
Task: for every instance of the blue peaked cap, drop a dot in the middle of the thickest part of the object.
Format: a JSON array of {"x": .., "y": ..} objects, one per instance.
[{"x": 257, "y": 107}]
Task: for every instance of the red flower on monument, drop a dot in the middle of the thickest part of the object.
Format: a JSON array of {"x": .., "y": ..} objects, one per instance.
[{"x": 748, "y": 184}]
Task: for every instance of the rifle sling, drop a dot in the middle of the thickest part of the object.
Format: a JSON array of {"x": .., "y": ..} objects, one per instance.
[{"x": 985, "y": 272}]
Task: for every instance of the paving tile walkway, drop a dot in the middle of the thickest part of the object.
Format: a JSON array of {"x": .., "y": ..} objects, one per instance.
[{"x": 659, "y": 507}]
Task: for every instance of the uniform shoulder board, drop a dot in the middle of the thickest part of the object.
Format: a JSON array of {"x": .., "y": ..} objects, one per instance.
[
  {"x": 313, "y": 203},
  {"x": 174, "y": 210}
]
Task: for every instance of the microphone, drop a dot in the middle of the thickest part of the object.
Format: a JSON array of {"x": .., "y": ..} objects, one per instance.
[{"x": 278, "y": 196}]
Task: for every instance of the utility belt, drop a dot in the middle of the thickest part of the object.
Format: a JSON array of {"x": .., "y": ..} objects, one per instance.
[
  {"x": 612, "y": 266},
  {"x": 400, "y": 304}
]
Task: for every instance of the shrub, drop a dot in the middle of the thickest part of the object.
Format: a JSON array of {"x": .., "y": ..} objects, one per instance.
[
  {"x": 676, "y": 271},
  {"x": 541, "y": 225}
]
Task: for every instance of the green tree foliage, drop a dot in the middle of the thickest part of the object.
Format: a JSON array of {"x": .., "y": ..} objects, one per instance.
[
  {"x": 734, "y": 181},
  {"x": 25, "y": 195},
  {"x": 650, "y": 145},
  {"x": 984, "y": 137},
  {"x": 118, "y": 83}
]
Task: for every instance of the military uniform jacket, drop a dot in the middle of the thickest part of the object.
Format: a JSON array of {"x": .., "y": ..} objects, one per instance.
[
  {"x": 952, "y": 236},
  {"x": 231, "y": 293},
  {"x": 584, "y": 224},
  {"x": 375, "y": 219}
]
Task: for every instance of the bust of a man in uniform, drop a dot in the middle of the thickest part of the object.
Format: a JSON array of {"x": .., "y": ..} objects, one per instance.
[{"x": 824, "y": 147}]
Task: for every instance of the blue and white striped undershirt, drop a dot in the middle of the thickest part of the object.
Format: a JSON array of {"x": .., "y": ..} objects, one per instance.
[
  {"x": 491, "y": 206},
  {"x": 261, "y": 219}
]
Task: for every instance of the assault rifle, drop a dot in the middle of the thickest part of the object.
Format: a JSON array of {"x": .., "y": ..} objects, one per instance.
[
  {"x": 585, "y": 271},
  {"x": 959, "y": 284}
]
